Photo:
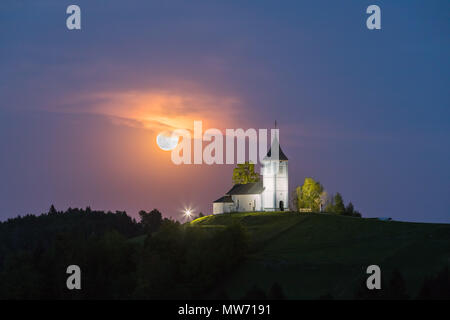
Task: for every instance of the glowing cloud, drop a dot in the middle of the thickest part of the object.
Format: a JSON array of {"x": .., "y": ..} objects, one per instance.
[{"x": 162, "y": 110}]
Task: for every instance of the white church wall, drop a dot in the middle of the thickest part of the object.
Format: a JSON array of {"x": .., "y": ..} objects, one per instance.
[
  {"x": 223, "y": 207},
  {"x": 218, "y": 208},
  {"x": 228, "y": 207},
  {"x": 276, "y": 185},
  {"x": 268, "y": 198},
  {"x": 247, "y": 202}
]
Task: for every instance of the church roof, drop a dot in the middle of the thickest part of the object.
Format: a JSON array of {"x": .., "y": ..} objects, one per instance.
[
  {"x": 281, "y": 154},
  {"x": 224, "y": 199},
  {"x": 248, "y": 188}
]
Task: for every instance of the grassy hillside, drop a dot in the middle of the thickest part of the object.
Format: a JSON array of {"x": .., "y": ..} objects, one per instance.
[{"x": 311, "y": 255}]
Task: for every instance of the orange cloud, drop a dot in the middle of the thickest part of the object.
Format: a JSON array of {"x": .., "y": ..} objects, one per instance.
[{"x": 163, "y": 109}]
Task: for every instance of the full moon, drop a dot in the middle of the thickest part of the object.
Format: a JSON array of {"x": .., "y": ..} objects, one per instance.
[{"x": 166, "y": 141}]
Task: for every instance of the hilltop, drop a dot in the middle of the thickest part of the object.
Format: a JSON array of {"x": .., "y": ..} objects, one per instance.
[
  {"x": 314, "y": 255},
  {"x": 307, "y": 256}
]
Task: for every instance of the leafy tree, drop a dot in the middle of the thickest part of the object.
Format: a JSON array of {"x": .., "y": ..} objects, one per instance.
[
  {"x": 245, "y": 173},
  {"x": 310, "y": 195},
  {"x": 151, "y": 221}
]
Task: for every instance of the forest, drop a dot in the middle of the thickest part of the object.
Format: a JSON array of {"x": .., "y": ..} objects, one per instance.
[
  {"x": 159, "y": 258},
  {"x": 119, "y": 257}
]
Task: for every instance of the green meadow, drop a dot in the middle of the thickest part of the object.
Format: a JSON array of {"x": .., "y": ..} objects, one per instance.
[{"x": 315, "y": 255}]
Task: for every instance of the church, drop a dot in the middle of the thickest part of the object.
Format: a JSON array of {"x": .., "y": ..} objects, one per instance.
[{"x": 270, "y": 193}]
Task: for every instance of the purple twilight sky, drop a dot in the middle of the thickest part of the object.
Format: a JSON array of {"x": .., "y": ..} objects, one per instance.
[{"x": 364, "y": 112}]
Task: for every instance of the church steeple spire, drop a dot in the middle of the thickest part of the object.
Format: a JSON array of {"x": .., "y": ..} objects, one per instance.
[{"x": 275, "y": 141}]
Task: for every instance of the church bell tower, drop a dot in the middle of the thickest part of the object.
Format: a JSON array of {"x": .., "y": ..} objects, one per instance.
[{"x": 274, "y": 171}]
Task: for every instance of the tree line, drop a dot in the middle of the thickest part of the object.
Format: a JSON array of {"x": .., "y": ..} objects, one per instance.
[
  {"x": 155, "y": 258},
  {"x": 313, "y": 197},
  {"x": 120, "y": 258}
]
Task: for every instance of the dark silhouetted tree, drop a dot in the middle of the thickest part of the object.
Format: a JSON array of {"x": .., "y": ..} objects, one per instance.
[
  {"x": 151, "y": 221},
  {"x": 349, "y": 210},
  {"x": 339, "y": 207},
  {"x": 52, "y": 210}
]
